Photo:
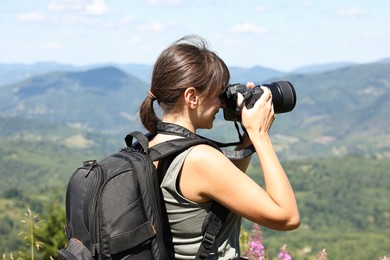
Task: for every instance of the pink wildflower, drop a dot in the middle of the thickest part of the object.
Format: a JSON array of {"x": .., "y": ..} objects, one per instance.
[
  {"x": 256, "y": 247},
  {"x": 322, "y": 255},
  {"x": 283, "y": 253}
]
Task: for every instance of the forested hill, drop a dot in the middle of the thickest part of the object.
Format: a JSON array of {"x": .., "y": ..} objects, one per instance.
[
  {"x": 338, "y": 112},
  {"x": 103, "y": 99},
  {"x": 342, "y": 111}
]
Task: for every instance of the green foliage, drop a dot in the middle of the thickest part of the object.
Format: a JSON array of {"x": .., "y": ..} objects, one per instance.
[
  {"x": 44, "y": 234},
  {"x": 30, "y": 172},
  {"x": 344, "y": 207},
  {"x": 351, "y": 188},
  {"x": 339, "y": 243},
  {"x": 343, "y": 204},
  {"x": 51, "y": 233}
]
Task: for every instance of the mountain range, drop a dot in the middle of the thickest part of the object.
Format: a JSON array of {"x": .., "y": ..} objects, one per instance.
[{"x": 342, "y": 108}]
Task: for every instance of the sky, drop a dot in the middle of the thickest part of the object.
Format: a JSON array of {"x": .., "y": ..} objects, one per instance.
[{"x": 282, "y": 35}]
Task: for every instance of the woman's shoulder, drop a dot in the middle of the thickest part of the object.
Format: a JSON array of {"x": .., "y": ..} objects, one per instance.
[
  {"x": 207, "y": 160},
  {"x": 203, "y": 162},
  {"x": 205, "y": 152}
]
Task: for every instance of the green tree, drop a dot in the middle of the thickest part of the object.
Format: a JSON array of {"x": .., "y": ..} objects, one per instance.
[{"x": 51, "y": 232}]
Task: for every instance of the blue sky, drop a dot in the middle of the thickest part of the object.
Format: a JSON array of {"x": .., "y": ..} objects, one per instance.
[{"x": 282, "y": 35}]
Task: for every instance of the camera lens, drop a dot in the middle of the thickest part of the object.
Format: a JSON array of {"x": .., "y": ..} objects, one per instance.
[{"x": 283, "y": 96}]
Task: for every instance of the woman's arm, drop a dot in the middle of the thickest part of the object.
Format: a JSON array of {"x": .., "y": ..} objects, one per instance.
[{"x": 208, "y": 174}]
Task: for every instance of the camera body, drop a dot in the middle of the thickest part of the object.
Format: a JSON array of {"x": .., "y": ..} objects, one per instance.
[{"x": 283, "y": 98}]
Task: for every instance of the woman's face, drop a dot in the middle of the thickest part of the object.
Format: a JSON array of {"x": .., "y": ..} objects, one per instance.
[{"x": 207, "y": 110}]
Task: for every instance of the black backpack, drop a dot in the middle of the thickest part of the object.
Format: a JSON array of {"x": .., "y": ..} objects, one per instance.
[{"x": 114, "y": 208}]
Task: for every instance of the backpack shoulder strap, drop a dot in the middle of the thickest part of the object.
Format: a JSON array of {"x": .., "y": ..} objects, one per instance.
[
  {"x": 142, "y": 140},
  {"x": 213, "y": 224}
]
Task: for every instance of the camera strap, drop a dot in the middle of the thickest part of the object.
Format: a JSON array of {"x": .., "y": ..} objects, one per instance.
[{"x": 174, "y": 129}]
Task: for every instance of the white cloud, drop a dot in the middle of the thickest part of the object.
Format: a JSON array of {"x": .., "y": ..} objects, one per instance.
[
  {"x": 128, "y": 19},
  {"x": 352, "y": 12},
  {"x": 53, "y": 45},
  {"x": 88, "y": 7},
  {"x": 135, "y": 40},
  {"x": 31, "y": 17},
  {"x": 345, "y": 44},
  {"x": 307, "y": 3},
  {"x": 96, "y": 7},
  {"x": 154, "y": 27},
  {"x": 260, "y": 9},
  {"x": 66, "y": 33},
  {"x": 229, "y": 42},
  {"x": 248, "y": 28},
  {"x": 164, "y": 2},
  {"x": 66, "y": 5},
  {"x": 370, "y": 34}
]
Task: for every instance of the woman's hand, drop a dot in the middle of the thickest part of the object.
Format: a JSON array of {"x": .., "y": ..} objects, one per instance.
[{"x": 259, "y": 118}]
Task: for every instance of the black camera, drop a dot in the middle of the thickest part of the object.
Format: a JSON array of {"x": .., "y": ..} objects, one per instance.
[{"x": 283, "y": 98}]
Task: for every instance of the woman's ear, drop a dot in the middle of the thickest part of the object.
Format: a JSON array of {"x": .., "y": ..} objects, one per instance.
[{"x": 191, "y": 97}]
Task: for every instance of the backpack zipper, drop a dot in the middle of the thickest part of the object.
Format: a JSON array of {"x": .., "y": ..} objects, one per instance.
[{"x": 94, "y": 217}]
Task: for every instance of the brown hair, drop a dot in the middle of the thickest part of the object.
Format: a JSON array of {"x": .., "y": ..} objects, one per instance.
[{"x": 187, "y": 62}]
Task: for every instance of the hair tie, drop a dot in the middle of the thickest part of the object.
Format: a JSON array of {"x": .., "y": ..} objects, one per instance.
[{"x": 151, "y": 96}]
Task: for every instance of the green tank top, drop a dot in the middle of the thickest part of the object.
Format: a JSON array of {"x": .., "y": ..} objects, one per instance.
[{"x": 186, "y": 219}]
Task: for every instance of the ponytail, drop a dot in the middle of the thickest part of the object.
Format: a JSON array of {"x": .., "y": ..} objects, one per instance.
[{"x": 148, "y": 116}]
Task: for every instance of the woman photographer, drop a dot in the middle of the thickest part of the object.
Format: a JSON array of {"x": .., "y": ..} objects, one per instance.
[{"x": 187, "y": 82}]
